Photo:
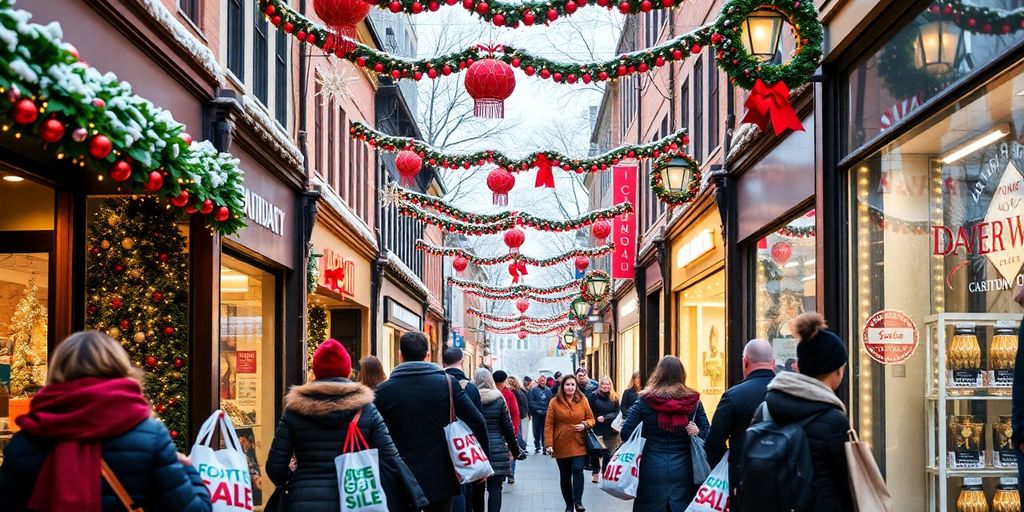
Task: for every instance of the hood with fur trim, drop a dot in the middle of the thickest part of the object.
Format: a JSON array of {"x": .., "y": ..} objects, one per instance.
[{"x": 327, "y": 397}]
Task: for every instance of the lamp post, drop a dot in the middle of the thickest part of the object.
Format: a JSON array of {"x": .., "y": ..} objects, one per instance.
[
  {"x": 762, "y": 31},
  {"x": 597, "y": 284},
  {"x": 581, "y": 308},
  {"x": 677, "y": 174},
  {"x": 937, "y": 46}
]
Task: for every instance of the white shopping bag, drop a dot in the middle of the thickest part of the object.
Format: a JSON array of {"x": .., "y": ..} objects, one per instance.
[
  {"x": 225, "y": 472},
  {"x": 622, "y": 475},
  {"x": 617, "y": 422},
  {"x": 467, "y": 455},
  {"x": 713, "y": 494},
  {"x": 358, "y": 470}
]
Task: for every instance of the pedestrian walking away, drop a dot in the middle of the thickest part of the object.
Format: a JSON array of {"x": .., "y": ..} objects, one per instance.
[
  {"x": 523, "y": 404},
  {"x": 312, "y": 430},
  {"x": 452, "y": 359},
  {"x": 605, "y": 405},
  {"x": 737, "y": 408},
  {"x": 539, "y": 398},
  {"x": 568, "y": 416},
  {"x": 672, "y": 415},
  {"x": 501, "y": 439},
  {"x": 414, "y": 403},
  {"x": 90, "y": 413},
  {"x": 371, "y": 372},
  {"x": 808, "y": 398},
  {"x": 630, "y": 395}
]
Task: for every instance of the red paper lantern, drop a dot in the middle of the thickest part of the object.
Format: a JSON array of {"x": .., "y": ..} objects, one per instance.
[
  {"x": 582, "y": 262},
  {"x": 408, "y": 164},
  {"x": 460, "y": 263},
  {"x": 601, "y": 229},
  {"x": 514, "y": 238},
  {"x": 500, "y": 181},
  {"x": 522, "y": 335},
  {"x": 781, "y": 252},
  {"x": 523, "y": 304},
  {"x": 342, "y": 16},
  {"x": 490, "y": 81}
]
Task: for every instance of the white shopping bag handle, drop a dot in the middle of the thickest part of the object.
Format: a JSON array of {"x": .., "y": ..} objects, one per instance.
[{"x": 227, "y": 431}]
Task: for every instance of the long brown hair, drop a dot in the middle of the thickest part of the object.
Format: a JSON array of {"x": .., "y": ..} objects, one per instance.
[
  {"x": 561, "y": 389},
  {"x": 634, "y": 382},
  {"x": 90, "y": 354},
  {"x": 371, "y": 372},
  {"x": 669, "y": 378}
]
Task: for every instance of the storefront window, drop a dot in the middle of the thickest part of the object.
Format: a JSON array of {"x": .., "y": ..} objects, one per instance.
[
  {"x": 938, "y": 48},
  {"x": 629, "y": 355},
  {"x": 785, "y": 285},
  {"x": 247, "y": 361},
  {"x": 701, "y": 332},
  {"x": 939, "y": 233}
]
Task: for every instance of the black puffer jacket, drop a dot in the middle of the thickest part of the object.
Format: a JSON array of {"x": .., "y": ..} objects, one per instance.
[
  {"x": 603, "y": 407},
  {"x": 144, "y": 460},
  {"x": 500, "y": 435},
  {"x": 313, "y": 427},
  {"x": 523, "y": 402}
]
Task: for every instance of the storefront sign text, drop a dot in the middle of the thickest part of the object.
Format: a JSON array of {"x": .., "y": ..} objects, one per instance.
[
  {"x": 890, "y": 336},
  {"x": 700, "y": 245},
  {"x": 245, "y": 361},
  {"x": 624, "y": 226},
  {"x": 398, "y": 314},
  {"x": 338, "y": 274},
  {"x": 264, "y": 213},
  {"x": 996, "y": 163}
]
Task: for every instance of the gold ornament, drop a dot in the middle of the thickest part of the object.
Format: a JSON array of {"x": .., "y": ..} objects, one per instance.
[
  {"x": 964, "y": 350},
  {"x": 114, "y": 332},
  {"x": 1003, "y": 350},
  {"x": 971, "y": 499},
  {"x": 139, "y": 337},
  {"x": 1006, "y": 499},
  {"x": 135, "y": 273},
  {"x": 113, "y": 219},
  {"x": 128, "y": 243},
  {"x": 105, "y": 244}
]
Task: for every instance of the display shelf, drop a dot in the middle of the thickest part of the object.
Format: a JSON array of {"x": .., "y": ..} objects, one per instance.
[{"x": 941, "y": 399}]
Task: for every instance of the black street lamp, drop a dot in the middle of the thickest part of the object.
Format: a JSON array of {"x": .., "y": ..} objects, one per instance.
[
  {"x": 937, "y": 45},
  {"x": 597, "y": 284},
  {"x": 762, "y": 31},
  {"x": 677, "y": 174}
]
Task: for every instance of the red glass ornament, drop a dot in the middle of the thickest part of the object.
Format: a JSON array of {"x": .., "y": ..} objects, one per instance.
[
  {"x": 179, "y": 362},
  {"x": 570, "y": 7},
  {"x": 94, "y": 251},
  {"x": 529, "y": 18},
  {"x": 100, "y": 146},
  {"x": 500, "y": 181},
  {"x": 120, "y": 171},
  {"x": 498, "y": 20},
  {"x": 601, "y": 229},
  {"x": 459, "y": 264},
  {"x": 522, "y": 304},
  {"x": 51, "y": 131},
  {"x": 582, "y": 262},
  {"x": 155, "y": 182},
  {"x": 115, "y": 302},
  {"x": 168, "y": 330},
  {"x": 207, "y": 207},
  {"x": 151, "y": 362},
  {"x": 514, "y": 238},
  {"x": 781, "y": 252},
  {"x": 490, "y": 82},
  {"x": 522, "y": 335},
  {"x": 341, "y": 16},
  {"x": 163, "y": 257},
  {"x": 181, "y": 199},
  {"x": 408, "y": 164},
  {"x": 124, "y": 324},
  {"x": 25, "y": 112},
  {"x": 222, "y": 214}
]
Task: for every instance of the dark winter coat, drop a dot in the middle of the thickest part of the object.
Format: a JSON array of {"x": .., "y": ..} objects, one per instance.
[
  {"x": 793, "y": 397},
  {"x": 588, "y": 387},
  {"x": 523, "y": 402},
  {"x": 414, "y": 402},
  {"x": 732, "y": 417},
  {"x": 666, "y": 471},
  {"x": 313, "y": 427},
  {"x": 467, "y": 385},
  {"x": 539, "y": 398},
  {"x": 629, "y": 397},
  {"x": 603, "y": 406},
  {"x": 500, "y": 435},
  {"x": 144, "y": 460}
]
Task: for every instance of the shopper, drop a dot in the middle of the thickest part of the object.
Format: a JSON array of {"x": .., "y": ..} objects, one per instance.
[
  {"x": 605, "y": 405},
  {"x": 671, "y": 414},
  {"x": 371, "y": 372},
  {"x": 452, "y": 359},
  {"x": 312, "y": 430},
  {"x": 810, "y": 396},
  {"x": 539, "y": 398},
  {"x": 1017, "y": 400},
  {"x": 737, "y": 408},
  {"x": 587, "y": 385},
  {"x": 568, "y": 416},
  {"x": 414, "y": 403},
  {"x": 91, "y": 410},
  {"x": 523, "y": 404},
  {"x": 553, "y": 383},
  {"x": 501, "y": 438},
  {"x": 631, "y": 393}
]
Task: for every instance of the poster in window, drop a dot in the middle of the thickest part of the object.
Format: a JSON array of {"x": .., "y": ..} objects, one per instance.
[
  {"x": 712, "y": 351},
  {"x": 245, "y": 361}
]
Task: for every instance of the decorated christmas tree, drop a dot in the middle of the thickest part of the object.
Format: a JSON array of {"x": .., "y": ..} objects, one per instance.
[
  {"x": 28, "y": 332},
  {"x": 317, "y": 329},
  {"x": 137, "y": 288}
]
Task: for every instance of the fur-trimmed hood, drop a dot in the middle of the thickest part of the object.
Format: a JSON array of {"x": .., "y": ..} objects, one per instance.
[{"x": 328, "y": 396}]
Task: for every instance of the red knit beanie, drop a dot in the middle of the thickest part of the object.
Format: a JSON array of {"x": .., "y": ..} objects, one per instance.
[{"x": 331, "y": 360}]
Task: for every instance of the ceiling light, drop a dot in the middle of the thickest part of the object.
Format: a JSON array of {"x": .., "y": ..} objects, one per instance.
[
  {"x": 976, "y": 144},
  {"x": 13, "y": 179}
]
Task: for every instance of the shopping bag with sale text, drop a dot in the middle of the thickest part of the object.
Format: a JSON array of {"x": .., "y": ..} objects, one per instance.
[
  {"x": 468, "y": 456},
  {"x": 225, "y": 472},
  {"x": 358, "y": 470},
  {"x": 622, "y": 475},
  {"x": 713, "y": 494}
]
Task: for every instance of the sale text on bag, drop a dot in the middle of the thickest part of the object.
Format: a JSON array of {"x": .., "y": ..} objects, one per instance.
[
  {"x": 469, "y": 450},
  {"x": 713, "y": 493},
  {"x": 233, "y": 487},
  {"x": 361, "y": 489}
]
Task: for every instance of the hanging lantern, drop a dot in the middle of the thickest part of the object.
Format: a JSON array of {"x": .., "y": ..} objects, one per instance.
[
  {"x": 523, "y": 304},
  {"x": 490, "y": 82},
  {"x": 781, "y": 252},
  {"x": 341, "y": 16},
  {"x": 596, "y": 287},
  {"x": 500, "y": 181},
  {"x": 459, "y": 264},
  {"x": 581, "y": 309},
  {"x": 522, "y": 335},
  {"x": 408, "y": 164},
  {"x": 514, "y": 238},
  {"x": 582, "y": 262},
  {"x": 601, "y": 229}
]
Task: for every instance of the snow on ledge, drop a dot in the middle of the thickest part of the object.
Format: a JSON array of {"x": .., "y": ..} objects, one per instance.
[
  {"x": 328, "y": 196},
  {"x": 408, "y": 274}
]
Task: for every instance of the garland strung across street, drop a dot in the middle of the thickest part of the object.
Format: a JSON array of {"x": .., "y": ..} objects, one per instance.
[
  {"x": 94, "y": 121},
  {"x": 517, "y": 295},
  {"x": 514, "y": 257},
  {"x": 524, "y": 327},
  {"x": 504, "y": 319},
  {"x": 521, "y": 290},
  {"x": 512, "y": 14}
]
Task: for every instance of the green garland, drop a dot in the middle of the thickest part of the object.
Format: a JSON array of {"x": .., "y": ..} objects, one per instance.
[
  {"x": 451, "y": 225},
  {"x": 312, "y": 268},
  {"x": 528, "y": 328},
  {"x": 798, "y": 232},
  {"x": 514, "y": 256},
  {"x": 435, "y": 157},
  {"x": 978, "y": 18},
  {"x": 502, "y": 319},
  {"x": 521, "y": 295},
  {"x": 316, "y": 329},
  {"x": 94, "y": 121},
  {"x": 455, "y": 220},
  {"x": 585, "y": 292},
  {"x": 503, "y": 13},
  {"x": 675, "y": 198},
  {"x": 514, "y": 290}
]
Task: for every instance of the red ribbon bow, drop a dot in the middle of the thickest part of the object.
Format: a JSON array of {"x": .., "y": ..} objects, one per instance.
[
  {"x": 771, "y": 103},
  {"x": 333, "y": 278},
  {"x": 516, "y": 269},
  {"x": 545, "y": 178}
]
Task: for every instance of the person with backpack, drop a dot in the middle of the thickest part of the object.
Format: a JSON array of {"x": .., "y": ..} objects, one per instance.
[
  {"x": 452, "y": 359},
  {"x": 671, "y": 414},
  {"x": 539, "y": 398},
  {"x": 501, "y": 438},
  {"x": 316, "y": 419},
  {"x": 92, "y": 411},
  {"x": 794, "y": 456},
  {"x": 737, "y": 408}
]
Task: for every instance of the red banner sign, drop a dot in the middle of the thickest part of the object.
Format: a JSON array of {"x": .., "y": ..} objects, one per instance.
[
  {"x": 624, "y": 226},
  {"x": 338, "y": 273}
]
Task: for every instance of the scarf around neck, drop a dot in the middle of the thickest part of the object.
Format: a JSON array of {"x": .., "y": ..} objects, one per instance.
[
  {"x": 673, "y": 412},
  {"x": 77, "y": 416}
]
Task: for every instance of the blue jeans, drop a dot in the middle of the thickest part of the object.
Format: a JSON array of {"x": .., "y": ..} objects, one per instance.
[{"x": 538, "y": 432}]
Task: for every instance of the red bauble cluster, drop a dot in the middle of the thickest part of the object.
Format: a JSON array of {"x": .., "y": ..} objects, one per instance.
[
  {"x": 51, "y": 131},
  {"x": 490, "y": 82},
  {"x": 582, "y": 262},
  {"x": 408, "y": 164},
  {"x": 500, "y": 181},
  {"x": 460, "y": 263},
  {"x": 601, "y": 229},
  {"x": 522, "y": 304},
  {"x": 100, "y": 146},
  {"x": 514, "y": 238}
]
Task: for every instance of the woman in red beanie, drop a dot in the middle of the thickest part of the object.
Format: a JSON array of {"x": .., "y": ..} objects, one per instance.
[{"x": 313, "y": 427}]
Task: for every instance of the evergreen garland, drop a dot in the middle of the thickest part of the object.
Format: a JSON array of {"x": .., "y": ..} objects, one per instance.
[
  {"x": 515, "y": 319},
  {"x": 513, "y": 256},
  {"x": 518, "y": 290},
  {"x": 453, "y": 219},
  {"x": 512, "y": 14},
  {"x": 675, "y": 198}
]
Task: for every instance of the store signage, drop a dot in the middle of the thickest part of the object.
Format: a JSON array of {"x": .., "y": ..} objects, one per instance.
[
  {"x": 263, "y": 212},
  {"x": 400, "y": 315},
  {"x": 999, "y": 161},
  {"x": 245, "y": 361},
  {"x": 458, "y": 341},
  {"x": 338, "y": 274},
  {"x": 890, "y": 336},
  {"x": 624, "y": 226},
  {"x": 700, "y": 245}
]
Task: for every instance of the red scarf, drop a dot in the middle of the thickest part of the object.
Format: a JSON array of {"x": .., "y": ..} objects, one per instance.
[
  {"x": 673, "y": 413},
  {"x": 78, "y": 415}
]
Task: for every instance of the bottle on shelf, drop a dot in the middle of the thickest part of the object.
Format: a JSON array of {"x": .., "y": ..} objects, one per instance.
[
  {"x": 964, "y": 359},
  {"x": 1002, "y": 353},
  {"x": 972, "y": 497},
  {"x": 1007, "y": 498}
]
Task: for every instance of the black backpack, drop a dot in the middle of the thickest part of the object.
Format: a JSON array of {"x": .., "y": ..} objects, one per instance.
[{"x": 777, "y": 469}]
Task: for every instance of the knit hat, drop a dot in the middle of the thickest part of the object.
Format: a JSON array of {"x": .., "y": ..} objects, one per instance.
[
  {"x": 331, "y": 360},
  {"x": 820, "y": 351},
  {"x": 500, "y": 376}
]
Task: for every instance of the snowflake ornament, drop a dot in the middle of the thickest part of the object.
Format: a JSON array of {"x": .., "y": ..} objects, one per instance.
[
  {"x": 336, "y": 83},
  {"x": 391, "y": 195}
]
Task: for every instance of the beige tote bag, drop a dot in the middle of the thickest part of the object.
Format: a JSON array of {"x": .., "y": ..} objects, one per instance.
[{"x": 870, "y": 494}]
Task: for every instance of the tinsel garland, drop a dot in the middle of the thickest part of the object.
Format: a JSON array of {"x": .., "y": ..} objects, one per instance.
[
  {"x": 977, "y": 18},
  {"x": 669, "y": 144},
  {"x": 515, "y": 319},
  {"x": 521, "y": 295},
  {"x": 528, "y": 328},
  {"x": 94, "y": 121},
  {"x": 675, "y": 198},
  {"x": 514, "y": 256},
  {"x": 896, "y": 224},
  {"x": 512, "y": 14},
  {"x": 518, "y": 290}
]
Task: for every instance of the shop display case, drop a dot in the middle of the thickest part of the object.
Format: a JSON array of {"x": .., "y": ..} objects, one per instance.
[{"x": 969, "y": 456}]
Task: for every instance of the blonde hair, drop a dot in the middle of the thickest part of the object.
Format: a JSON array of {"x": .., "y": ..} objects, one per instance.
[
  {"x": 514, "y": 384},
  {"x": 90, "y": 354},
  {"x": 611, "y": 387}
]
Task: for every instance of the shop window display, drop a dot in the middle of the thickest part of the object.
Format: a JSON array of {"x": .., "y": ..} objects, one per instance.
[
  {"x": 785, "y": 276},
  {"x": 701, "y": 343}
]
